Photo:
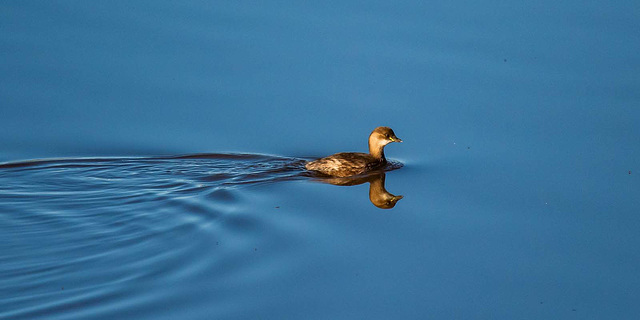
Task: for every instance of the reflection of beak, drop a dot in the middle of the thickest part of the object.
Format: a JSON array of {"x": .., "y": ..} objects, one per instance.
[{"x": 395, "y": 139}]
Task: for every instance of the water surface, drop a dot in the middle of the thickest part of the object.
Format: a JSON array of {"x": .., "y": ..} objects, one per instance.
[{"x": 520, "y": 176}]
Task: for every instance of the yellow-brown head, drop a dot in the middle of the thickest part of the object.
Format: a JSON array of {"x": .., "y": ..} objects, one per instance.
[{"x": 379, "y": 138}]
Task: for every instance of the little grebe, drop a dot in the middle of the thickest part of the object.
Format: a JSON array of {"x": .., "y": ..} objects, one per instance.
[{"x": 347, "y": 164}]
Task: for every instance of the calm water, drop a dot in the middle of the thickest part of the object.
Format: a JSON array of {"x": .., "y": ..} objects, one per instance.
[{"x": 151, "y": 160}]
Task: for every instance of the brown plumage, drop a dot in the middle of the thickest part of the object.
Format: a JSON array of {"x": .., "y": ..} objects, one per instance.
[{"x": 353, "y": 163}]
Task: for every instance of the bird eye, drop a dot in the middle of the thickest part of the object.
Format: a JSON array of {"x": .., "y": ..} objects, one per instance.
[{"x": 386, "y": 136}]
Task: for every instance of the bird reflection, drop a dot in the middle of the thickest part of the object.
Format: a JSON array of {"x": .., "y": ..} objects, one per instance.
[{"x": 378, "y": 195}]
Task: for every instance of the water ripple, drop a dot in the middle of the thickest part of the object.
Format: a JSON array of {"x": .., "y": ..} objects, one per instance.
[{"x": 78, "y": 232}]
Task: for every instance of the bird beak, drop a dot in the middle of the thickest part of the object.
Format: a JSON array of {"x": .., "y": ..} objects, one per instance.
[{"x": 395, "y": 139}]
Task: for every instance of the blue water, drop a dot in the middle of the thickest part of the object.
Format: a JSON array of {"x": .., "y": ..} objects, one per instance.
[{"x": 151, "y": 160}]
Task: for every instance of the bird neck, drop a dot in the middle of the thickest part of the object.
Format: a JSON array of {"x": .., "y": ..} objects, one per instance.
[{"x": 376, "y": 150}]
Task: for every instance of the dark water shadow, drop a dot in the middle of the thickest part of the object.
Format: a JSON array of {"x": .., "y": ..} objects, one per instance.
[
  {"x": 212, "y": 169},
  {"x": 135, "y": 179},
  {"x": 378, "y": 194}
]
